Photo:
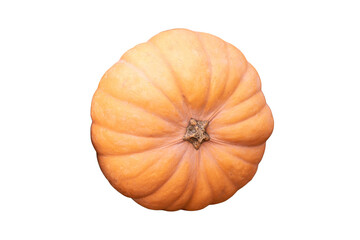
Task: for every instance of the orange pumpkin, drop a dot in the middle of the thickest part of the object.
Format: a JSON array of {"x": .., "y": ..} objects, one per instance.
[{"x": 180, "y": 122}]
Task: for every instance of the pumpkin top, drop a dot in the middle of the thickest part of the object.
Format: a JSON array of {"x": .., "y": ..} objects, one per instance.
[{"x": 180, "y": 121}]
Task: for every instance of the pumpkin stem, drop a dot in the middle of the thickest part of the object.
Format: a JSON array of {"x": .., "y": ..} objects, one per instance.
[{"x": 195, "y": 132}]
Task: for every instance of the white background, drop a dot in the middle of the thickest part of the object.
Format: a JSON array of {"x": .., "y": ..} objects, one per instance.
[{"x": 52, "y": 56}]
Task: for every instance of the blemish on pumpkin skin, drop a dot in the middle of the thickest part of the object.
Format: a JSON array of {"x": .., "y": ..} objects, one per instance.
[{"x": 195, "y": 132}]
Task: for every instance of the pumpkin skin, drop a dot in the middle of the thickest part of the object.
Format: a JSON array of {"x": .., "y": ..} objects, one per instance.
[{"x": 142, "y": 108}]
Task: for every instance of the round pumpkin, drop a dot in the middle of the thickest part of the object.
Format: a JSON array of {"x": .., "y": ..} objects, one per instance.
[{"x": 180, "y": 121}]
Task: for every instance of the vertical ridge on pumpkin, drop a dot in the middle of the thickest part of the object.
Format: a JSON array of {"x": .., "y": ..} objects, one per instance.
[
  {"x": 198, "y": 35},
  {"x": 249, "y": 85},
  {"x": 185, "y": 196},
  {"x": 221, "y": 169},
  {"x": 233, "y": 89},
  {"x": 185, "y": 57},
  {"x": 172, "y": 188},
  {"x": 217, "y": 53},
  {"x": 166, "y": 61},
  {"x": 195, "y": 169},
  {"x": 250, "y": 154},
  {"x": 141, "y": 72},
  {"x": 152, "y": 178},
  {"x": 237, "y": 170},
  {"x": 206, "y": 177},
  {"x": 249, "y": 132},
  {"x": 146, "y": 57},
  {"x": 202, "y": 194},
  {"x": 126, "y": 83},
  {"x": 119, "y": 169},
  {"x": 109, "y": 142},
  {"x": 220, "y": 184},
  {"x": 109, "y": 111},
  {"x": 172, "y": 205},
  {"x": 240, "y": 112}
]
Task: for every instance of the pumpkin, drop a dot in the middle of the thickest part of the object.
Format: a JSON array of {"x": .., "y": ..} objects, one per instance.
[{"x": 180, "y": 121}]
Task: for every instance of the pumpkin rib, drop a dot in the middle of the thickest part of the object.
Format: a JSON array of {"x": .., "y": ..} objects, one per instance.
[
  {"x": 167, "y": 179},
  {"x": 224, "y": 110},
  {"x": 175, "y": 77},
  {"x": 247, "y": 118},
  {"x": 171, "y": 190},
  {"x": 167, "y": 82},
  {"x": 228, "y": 68},
  {"x": 219, "y": 141},
  {"x": 202, "y": 195},
  {"x": 206, "y": 177},
  {"x": 256, "y": 92},
  {"x": 146, "y": 150},
  {"x": 171, "y": 206},
  {"x": 171, "y": 193},
  {"x": 249, "y": 78},
  {"x": 105, "y": 143},
  {"x": 220, "y": 185},
  {"x": 226, "y": 78},
  {"x": 227, "y": 72},
  {"x": 143, "y": 109},
  {"x": 243, "y": 160},
  {"x": 145, "y": 168},
  {"x": 222, "y": 106},
  {"x": 222, "y": 170},
  {"x": 223, "y": 143},
  {"x": 123, "y": 82},
  {"x": 154, "y": 182},
  {"x": 195, "y": 168},
  {"x": 123, "y": 117},
  {"x": 103, "y": 158},
  {"x": 217, "y": 53},
  {"x": 142, "y": 73},
  {"x": 198, "y": 35},
  {"x": 149, "y": 180},
  {"x": 168, "y": 207},
  {"x": 131, "y": 134},
  {"x": 250, "y": 132},
  {"x": 221, "y": 165}
]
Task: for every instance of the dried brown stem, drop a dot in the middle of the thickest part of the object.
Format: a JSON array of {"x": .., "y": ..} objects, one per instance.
[{"x": 195, "y": 133}]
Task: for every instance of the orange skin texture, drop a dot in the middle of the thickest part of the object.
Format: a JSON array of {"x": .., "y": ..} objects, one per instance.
[{"x": 143, "y": 105}]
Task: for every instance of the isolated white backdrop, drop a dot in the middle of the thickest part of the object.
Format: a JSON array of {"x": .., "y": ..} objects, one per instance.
[{"x": 52, "y": 56}]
